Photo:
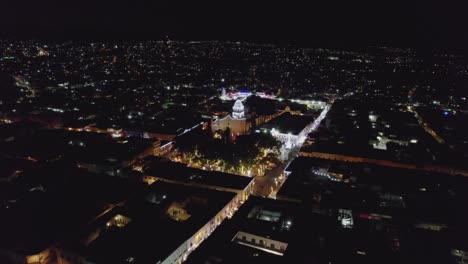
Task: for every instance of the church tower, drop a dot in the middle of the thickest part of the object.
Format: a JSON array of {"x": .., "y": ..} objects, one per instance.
[
  {"x": 236, "y": 121},
  {"x": 238, "y": 110}
]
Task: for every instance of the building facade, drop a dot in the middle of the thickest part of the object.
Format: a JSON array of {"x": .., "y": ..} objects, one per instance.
[{"x": 236, "y": 122}]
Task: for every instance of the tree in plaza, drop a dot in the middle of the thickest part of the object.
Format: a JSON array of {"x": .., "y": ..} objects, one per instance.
[
  {"x": 246, "y": 153},
  {"x": 266, "y": 140}
]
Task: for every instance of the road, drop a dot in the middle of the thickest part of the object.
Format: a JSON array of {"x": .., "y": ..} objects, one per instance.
[
  {"x": 270, "y": 183},
  {"x": 428, "y": 129},
  {"x": 266, "y": 184},
  {"x": 421, "y": 121}
]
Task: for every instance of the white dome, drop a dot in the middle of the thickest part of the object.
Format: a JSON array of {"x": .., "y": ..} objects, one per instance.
[
  {"x": 238, "y": 109},
  {"x": 238, "y": 106}
]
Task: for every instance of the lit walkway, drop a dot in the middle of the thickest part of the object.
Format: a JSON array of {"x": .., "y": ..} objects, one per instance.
[{"x": 270, "y": 183}]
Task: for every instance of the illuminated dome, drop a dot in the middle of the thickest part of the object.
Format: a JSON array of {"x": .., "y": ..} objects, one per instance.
[{"x": 238, "y": 110}]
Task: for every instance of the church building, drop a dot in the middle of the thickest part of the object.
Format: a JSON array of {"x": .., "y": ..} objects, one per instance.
[{"x": 236, "y": 122}]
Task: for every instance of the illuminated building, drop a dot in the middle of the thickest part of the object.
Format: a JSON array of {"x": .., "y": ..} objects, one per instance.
[
  {"x": 264, "y": 243},
  {"x": 236, "y": 122},
  {"x": 238, "y": 110},
  {"x": 290, "y": 129},
  {"x": 345, "y": 217}
]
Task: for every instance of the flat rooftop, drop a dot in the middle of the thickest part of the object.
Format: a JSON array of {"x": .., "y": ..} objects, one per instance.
[
  {"x": 49, "y": 204},
  {"x": 158, "y": 222},
  {"x": 273, "y": 219},
  {"x": 79, "y": 146},
  {"x": 288, "y": 123},
  {"x": 167, "y": 169}
]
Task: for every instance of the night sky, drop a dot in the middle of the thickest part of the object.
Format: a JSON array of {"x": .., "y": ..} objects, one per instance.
[{"x": 345, "y": 23}]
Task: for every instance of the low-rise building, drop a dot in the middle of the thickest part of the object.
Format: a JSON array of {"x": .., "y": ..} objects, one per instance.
[
  {"x": 166, "y": 170},
  {"x": 237, "y": 122},
  {"x": 262, "y": 231},
  {"x": 290, "y": 129},
  {"x": 163, "y": 225}
]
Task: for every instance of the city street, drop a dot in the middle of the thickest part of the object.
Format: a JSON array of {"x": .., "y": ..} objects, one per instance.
[{"x": 270, "y": 183}]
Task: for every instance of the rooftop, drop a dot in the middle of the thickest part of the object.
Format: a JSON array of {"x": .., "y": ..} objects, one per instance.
[
  {"x": 79, "y": 146},
  {"x": 288, "y": 123},
  {"x": 165, "y": 168},
  {"x": 153, "y": 218},
  {"x": 48, "y": 205},
  {"x": 259, "y": 217}
]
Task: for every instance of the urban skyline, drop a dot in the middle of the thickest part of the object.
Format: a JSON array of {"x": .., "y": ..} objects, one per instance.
[{"x": 151, "y": 133}]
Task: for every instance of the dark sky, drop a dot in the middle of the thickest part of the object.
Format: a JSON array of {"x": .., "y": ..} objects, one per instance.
[{"x": 345, "y": 23}]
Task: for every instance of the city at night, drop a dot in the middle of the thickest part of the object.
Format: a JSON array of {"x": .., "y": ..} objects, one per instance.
[{"x": 233, "y": 133}]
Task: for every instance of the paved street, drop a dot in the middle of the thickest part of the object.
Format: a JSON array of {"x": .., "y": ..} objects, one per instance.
[{"x": 269, "y": 184}]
